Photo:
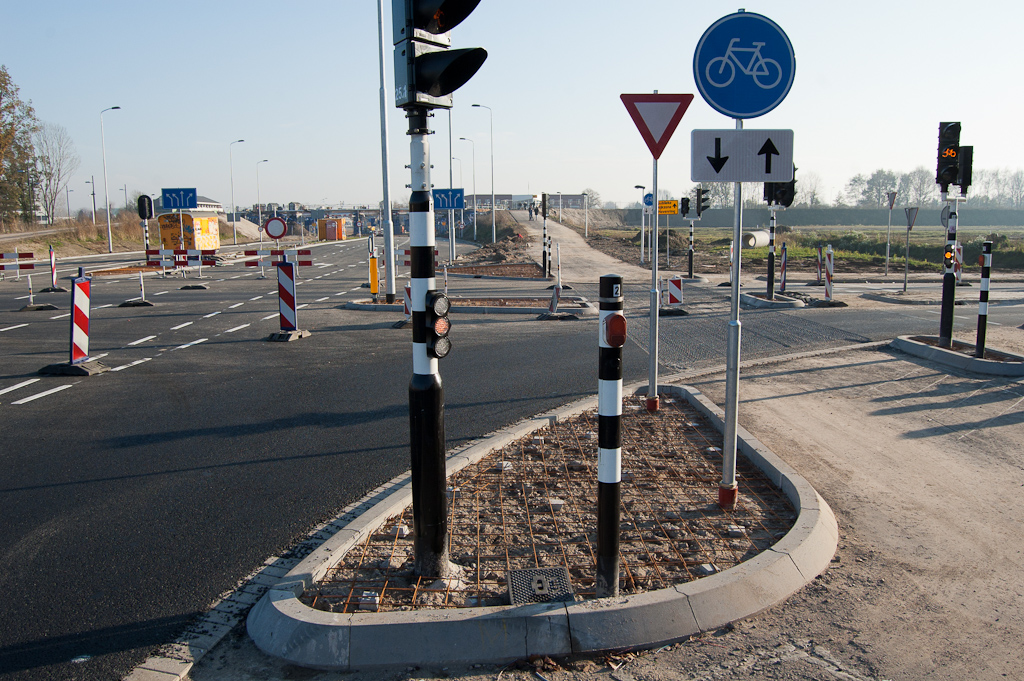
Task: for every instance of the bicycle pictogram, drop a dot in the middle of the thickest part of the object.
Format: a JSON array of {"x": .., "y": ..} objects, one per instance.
[{"x": 765, "y": 72}]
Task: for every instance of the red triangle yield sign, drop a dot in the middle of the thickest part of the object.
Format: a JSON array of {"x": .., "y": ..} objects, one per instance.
[{"x": 656, "y": 117}]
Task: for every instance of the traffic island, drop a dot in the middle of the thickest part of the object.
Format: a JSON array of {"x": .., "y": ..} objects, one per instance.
[
  {"x": 961, "y": 356},
  {"x": 352, "y": 603},
  {"x": 760, "y": 300}
]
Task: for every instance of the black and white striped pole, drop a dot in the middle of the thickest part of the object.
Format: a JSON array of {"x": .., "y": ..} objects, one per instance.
[
  {"x": 770, "y": 294},
  {"x": 986, "y": 273},
  {"x": 690, "y": 275},
  {"x": 948, "y": 276},
  {"x": 611, "y": 338},
  {"x": 544, "y": 234}
]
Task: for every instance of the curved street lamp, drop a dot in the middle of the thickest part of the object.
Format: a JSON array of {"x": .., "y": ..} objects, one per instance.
[
  {"x": 106, "y": 198},
  {"x": 494, "y": 225},
  {"x": 234, "y": 217},
  {"x": 259, "y": 206}
]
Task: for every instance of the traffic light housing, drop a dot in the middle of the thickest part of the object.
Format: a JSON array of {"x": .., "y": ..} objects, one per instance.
[
  {"x": 427, "y": 70},
  {"x": 438, "y": 325},
  {"x": 963, "y": 179},
  {"x": 145, "y": 206},
  {"x": 785, "y": 193},
  {"x": 703, "y": 201},
  {"x": 948, "y": 257},
  {"x": 684, "y": 207},
  {"x": 613, "y": 328},
  {"x": 544, "y": 206},
  {"x": 947, "y": 166},
  {"x": 769, "y": 192}
]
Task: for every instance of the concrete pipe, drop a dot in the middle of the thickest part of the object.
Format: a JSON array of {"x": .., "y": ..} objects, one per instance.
[{"x": 756, "y": 239}]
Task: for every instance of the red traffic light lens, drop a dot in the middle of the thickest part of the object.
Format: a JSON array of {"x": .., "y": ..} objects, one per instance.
[
  {"x": 442, "y": 326},
  {"x": 615, "y": 330}
]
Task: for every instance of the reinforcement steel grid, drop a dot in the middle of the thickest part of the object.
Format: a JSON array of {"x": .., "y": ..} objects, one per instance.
[{"x": 532, "y": 504}]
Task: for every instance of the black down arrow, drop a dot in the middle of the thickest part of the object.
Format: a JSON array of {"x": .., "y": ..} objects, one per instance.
[{"x": 718, "y": 161}]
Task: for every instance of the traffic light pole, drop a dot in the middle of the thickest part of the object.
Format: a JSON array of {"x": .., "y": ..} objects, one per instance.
[
  {"x": 691, "y": 250},
  {"x": 426, "y": 396},
  {"x": 385, "y": 215},
  {"x": 609, "y": 439},
  {"x": 728, "y": 489},
  {"x": 948, "y": 279}
]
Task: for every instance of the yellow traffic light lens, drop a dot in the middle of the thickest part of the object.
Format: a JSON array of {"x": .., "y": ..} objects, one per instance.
[{"x": 442, "y": 326}]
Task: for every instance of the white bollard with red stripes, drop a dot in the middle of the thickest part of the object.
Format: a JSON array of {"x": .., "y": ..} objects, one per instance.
[
  {"x": 79, "y": 363},
  {"x": 829, "y": 271},
  {"x": 286, "y": 303},
  {"x": 958, "y": 263}
]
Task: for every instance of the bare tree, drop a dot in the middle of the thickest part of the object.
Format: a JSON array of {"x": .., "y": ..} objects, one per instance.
[
  {"x": 56, "y": 162},
  {"x": 1015, "y": 188},
  {"x": 593, "y": 198},
  {"x": 809, "y": 188},
  {"x": 922, "y": 190}
]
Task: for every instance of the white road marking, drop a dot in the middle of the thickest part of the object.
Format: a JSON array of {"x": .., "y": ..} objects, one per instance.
[
  {"x": 256, "y": 298},
  {"x": 195, "y": 342},
  {"x": 181, "y": 326},
  {"x": 235, "y": 277},
  {"x": 212, "y": 314},
  {"x": 142, "y": 340},
  {"x": 320, "y": 300},
  {"x": 60, "y": 316},
  {"x": 43, "y": 394},
  {"x": 353, "y": 290},
  {"x": 232, "y": 307},
  {"x": 18, "y": 326},
  {"x": 100, "y": 307},
  {"x": 160, "y": 293},
  {"x": 237, "y": 328},
  {"x": 19, "y": 385},
  {"x": 21, "y": 297},
  {"x": 299, "y": 307},
  {"x": 341, "y": 293},
  {"x": 270, "y": 316},
  {"x": 138, "y": 361}
]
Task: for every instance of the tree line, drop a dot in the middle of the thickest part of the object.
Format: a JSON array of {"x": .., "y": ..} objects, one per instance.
[{"x": 37, "y": 159}]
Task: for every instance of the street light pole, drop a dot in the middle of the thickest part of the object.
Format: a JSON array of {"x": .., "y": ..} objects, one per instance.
[
  {"x": 231, "y": 167},
  {"x": 466, "y": 139},
  {"x": 642, "y": 189},
  {"x": 93, "y": 183},
  {"x": 67, "y": 194},
  {"x": 125, "y": 190},
  {"x": 385, "y": 167},
  {"x": 462, "y": 211},
  {"x": 494, "y": 225},
  {"x": 586, "y": 215},
  {"x": 106, "y": 197},
  {"x": 259, "y": 206}
]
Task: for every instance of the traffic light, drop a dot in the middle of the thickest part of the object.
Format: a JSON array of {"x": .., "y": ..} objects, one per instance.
[
  {"x": 684, "y": 207},
  {"x": 613, "y": 328},
  {"x": 703, "y": 201},
  {"x": 785, "y": 192},
  {"x": 769, "y": 192},
  {"x": 145, "y": 207},
  {"x": 947, "y": 257},
  {"x": 438, "y": 325},
  {"x": 948, "y": 165},
  {"x": 427, "y": 70},
  {"x": 963, "y": 179}
]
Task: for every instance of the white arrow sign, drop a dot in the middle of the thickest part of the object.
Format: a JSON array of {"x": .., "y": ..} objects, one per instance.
[{"x": 741, "y": 155}]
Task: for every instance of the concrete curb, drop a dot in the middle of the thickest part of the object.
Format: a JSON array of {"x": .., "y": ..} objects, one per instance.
[
  {"x": 282, "y": 626},
  {"x": 780, "y": 302},
  {"x": 958, "y": 360}
]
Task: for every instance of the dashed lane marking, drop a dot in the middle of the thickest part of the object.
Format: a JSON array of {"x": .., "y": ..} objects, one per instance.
[
  {"x": 188, "y": 345},
  {"x": 320, "y": 300},
  {"x": 256, "y": 298},
  {"x": 270, "y": 316},
  {"x": 212, "y": 314},
  {"x": 43, "y": 394},
  {"x": 232, "y": 307},
  {"x": 142, "y": 340},
  {"x": 299, "y": 307},
  {"x": 19, "y": 385},
  {"x": 181, "y": 326},
  {"x": 160, "y": 293},
  {"x": 237, "y": 328},
  {"x": 100, "y": 307},
  {"x": 62, "y": 316},
  {"x": 126, "y": 366},
  {"x": 18, "y": 326}
]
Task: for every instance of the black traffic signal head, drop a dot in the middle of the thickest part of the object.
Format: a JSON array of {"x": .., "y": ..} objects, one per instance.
[
  {"x": 438, "y": 325},
  {"x": 785, "y": 193},
  {"x": 963, "y": 179},
  {"x": 544, "y": 205},
  {"x": 427, "y": 72},
  {"x": 684, "y": 207},
  {"x": 769, "y": 192},
  {"x": 947, "y": 165},
  {"x": 703, "y": 201},
  {"x": 948, "y": 257},
  {"x": 145, "y": 207}
]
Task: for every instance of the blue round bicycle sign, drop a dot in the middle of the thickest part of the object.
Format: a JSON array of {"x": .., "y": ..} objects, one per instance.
[{"x": 744, "y": 65}]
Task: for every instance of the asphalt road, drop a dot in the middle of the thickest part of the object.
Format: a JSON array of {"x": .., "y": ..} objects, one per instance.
[{"x": 134, "y": 498}]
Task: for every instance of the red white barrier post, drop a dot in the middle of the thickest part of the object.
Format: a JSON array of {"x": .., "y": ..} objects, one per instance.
[
  {"x": 286, "y": 302},
  {"x": 675, "y": 291},
  {"x": 16, "y": 266},
  {"x": 782, "y": 270},
  {"x": 829, "y": 270},
  {"x": 81, "y": 293}
]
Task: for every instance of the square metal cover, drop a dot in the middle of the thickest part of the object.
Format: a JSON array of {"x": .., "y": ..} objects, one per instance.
[{"x": 539, "y": 585}]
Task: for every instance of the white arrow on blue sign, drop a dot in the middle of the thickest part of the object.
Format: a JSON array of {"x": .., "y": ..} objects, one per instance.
[
  {"x": 179, "y": 199},
  {"x": 449, "y": 199},
  {"x": 744, "y": 65}
]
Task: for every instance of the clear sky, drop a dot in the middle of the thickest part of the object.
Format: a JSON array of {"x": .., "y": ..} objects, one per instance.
[{"x": 299, "y": 82}]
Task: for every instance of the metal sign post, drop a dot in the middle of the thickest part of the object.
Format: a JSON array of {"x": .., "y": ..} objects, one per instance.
[
  {"x": 656, "y": 117},
  {"x": 911, "y": 218},
  {"x": 891, "y": 196},
  {"x": 744, "y": 67}
]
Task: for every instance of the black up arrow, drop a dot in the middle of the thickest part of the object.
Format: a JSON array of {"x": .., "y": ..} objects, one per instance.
[
  {"x": 718, "y": 161},
  {"x": 767, "y": 149}
]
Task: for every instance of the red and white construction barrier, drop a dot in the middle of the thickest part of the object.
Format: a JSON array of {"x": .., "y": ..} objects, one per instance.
[
  {"x": 407, "y": 301},
  {"x": 958, "y": 263},
  {"x": 180, "y": 257},
  {"x": 276, "y": 253},
  {"x": 81, "y": 292},
  {"x": 286, "y": 296},
  {"x": 53, "y": 268},
  {"x": 675, "y": 291},
  {"x": 782, "y": 270},
  {"x": 16, "y": 266},
  {"x": 829, "y": 271}
]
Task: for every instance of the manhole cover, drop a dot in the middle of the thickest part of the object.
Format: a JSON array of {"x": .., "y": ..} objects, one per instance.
[{"x": 539, "y": 585}]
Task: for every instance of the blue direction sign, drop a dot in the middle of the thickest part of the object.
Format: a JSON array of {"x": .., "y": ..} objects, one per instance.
[
  {"x": 449, "y": 199},
  {"x": 648, "y": 199},
  {"x": 179, "y": 199},
  {"x": 744, "y": 65}
]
